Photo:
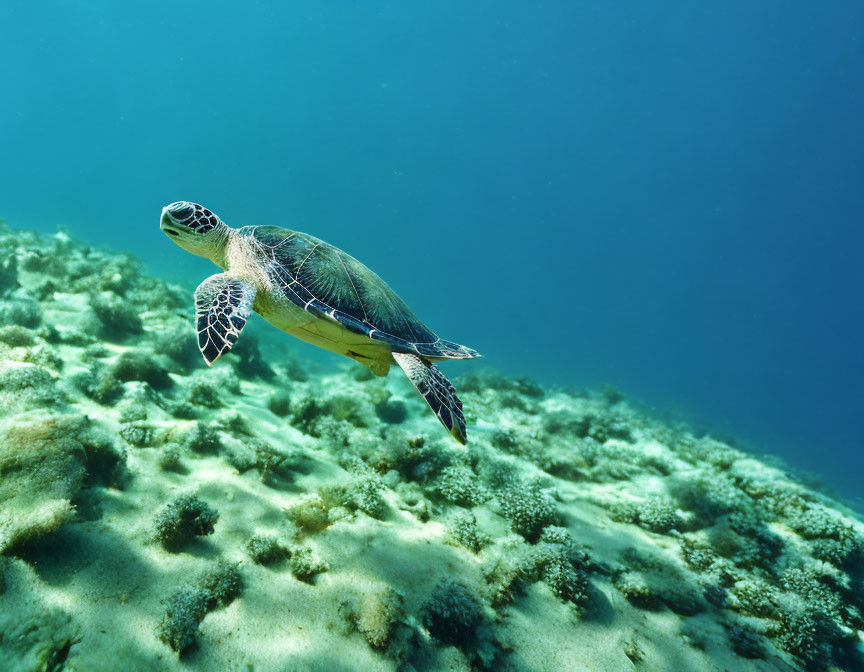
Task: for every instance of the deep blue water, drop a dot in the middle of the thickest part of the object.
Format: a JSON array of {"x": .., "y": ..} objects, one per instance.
[{"x": 665, "y": 196}]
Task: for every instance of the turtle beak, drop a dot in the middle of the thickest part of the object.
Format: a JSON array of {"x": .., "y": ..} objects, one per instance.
[{"x": 168, "y": 224}]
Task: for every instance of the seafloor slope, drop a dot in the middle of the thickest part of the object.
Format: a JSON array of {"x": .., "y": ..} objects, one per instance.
[{"x": 157, "y": 515}]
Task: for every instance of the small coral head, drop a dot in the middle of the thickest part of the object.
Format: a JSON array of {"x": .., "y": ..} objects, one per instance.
[{"x": 193, "y": 227}]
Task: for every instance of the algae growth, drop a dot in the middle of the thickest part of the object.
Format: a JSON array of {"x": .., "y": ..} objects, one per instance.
[{"x": 263, "y": 515}]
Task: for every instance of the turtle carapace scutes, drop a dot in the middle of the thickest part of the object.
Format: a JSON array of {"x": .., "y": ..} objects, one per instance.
[{"x": 316, "y": 292}]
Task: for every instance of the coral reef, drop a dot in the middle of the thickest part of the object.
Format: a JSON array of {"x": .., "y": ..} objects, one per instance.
[
  {"x": 452, "y": 613},
  {"x": 142, "y": 492}
]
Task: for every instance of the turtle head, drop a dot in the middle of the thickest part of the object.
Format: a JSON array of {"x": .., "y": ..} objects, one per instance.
[{"x": 194, "y": 228}]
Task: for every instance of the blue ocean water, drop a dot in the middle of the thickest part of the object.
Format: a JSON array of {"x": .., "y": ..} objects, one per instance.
[{"x": 665, "y": 197}]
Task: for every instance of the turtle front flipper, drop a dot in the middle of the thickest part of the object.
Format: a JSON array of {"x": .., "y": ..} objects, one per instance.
[
  {"x": 222, "y": 306},
  {"x": 437, "y": 391}
]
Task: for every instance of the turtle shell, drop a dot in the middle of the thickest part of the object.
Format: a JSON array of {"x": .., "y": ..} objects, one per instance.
[{"x": 327, "y": 282}]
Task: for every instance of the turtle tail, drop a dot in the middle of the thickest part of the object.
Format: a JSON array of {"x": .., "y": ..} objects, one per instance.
[{"x": 437, "y": 391}]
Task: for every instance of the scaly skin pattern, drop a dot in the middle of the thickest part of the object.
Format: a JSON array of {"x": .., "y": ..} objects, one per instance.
[
  {"x": 316, "y": 292},
  {"x": 222, "y": 306}
]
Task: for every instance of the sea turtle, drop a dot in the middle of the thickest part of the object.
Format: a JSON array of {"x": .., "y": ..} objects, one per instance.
[{"x": 313, "y": 291}]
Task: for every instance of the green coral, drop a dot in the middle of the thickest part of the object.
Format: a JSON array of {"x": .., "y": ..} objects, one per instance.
[
  {"x": 831, "y": 539},
  {"x": 636, "y": 589},
  {"x": 179, "y": 345},
  {"x": 362, "y": 493},
  {"x": 554, "y": 534},
  {"x": 452, "y": 613},
  {"x": 650, "y": 580},
  {"x": 755, "y": 597},
  {"x": 633, "y": 651},
  {"x": 204, "y": 393},
  {"x": 265, "y": 549},
  {"x": 141, "y": 366},
  {"x": 18, "y": 378},
  {"x": 818, "y": 591},
  {"x": 413, "y": 457},
  {"x": 375, "y": 614},
  {"x": 708, "y": 496},
  {"x": 99, "y": 384},
  {"x": 185, "y": 517},
  {"x": 462, "y": 528},
  {"x": 185, "y": 608},
  {"x": 118, "y": 318},
  {"x": 8, "y": 272},
  {"x": 305, "y": 564},
  {"x": 458, "y": 484},
  {"x": 138, "y": 434},
  {"x": 171, "y": 457},
  {"x": 279, "y": 403},
  {"x": 187, "y": 605},
  {"x": 503, "y": 572},
  {"x": 567, "y": 580},
  {"x": 846, "y": 553},
  {"x": 345, "y": 408},
  {"x": 311, "y": 515},
  {"x": 15, "y": 335},
  {"x": 745, "y": 542},
  {"x": 528, "y": 508},
  {"x": 275, "y": 466},
  {"x": 43, "y": 355},
  {"x": 133, "y": 409},
  {"x": 221, "y": 582},
  {"x": 306, "y": 415},
  {"x": 25, "y": 387},
  {"x": 809, "y": 635},
  {"x": 23, "y": 312},
  {"x": 183, "y": 410},
  {"x": 392, "y": 411},
  {"x": 232, "y": 422},
  {"x": 697, "y": 554},
  {"x": 708, "y": 450},
  {"x": 310, "y": 413},
  {"x": 204, "y": 438},
  {"x": 815, "y": 522},
  {"x": 654, "y": 514}
]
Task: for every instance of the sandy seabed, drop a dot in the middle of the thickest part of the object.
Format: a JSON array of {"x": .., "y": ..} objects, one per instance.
[{"x": 267, "y": 515}]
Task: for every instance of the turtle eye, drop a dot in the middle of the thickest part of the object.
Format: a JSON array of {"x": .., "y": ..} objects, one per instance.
[{"x": 181, "y": 210}]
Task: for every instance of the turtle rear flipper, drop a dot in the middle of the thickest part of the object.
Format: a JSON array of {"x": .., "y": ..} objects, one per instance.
[
  {"x": 437, "y": 391},
  {"x": 222, "y": 305}
]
